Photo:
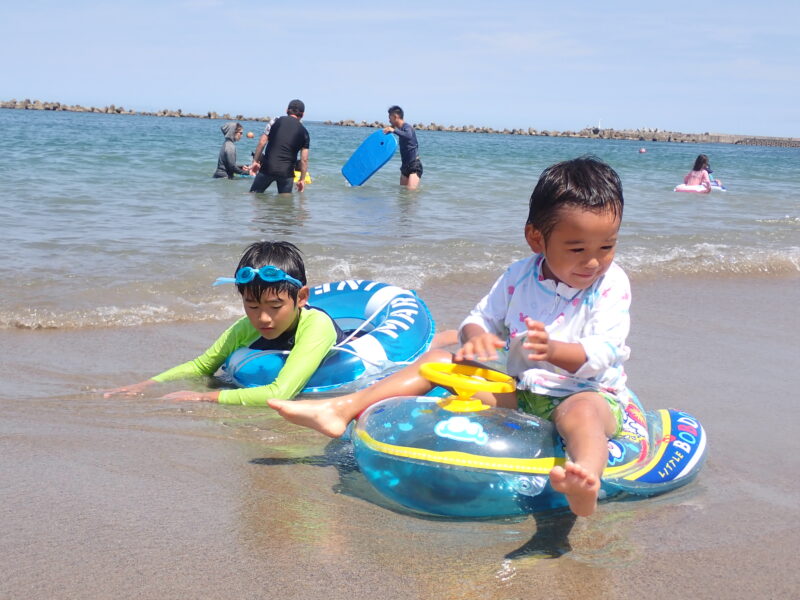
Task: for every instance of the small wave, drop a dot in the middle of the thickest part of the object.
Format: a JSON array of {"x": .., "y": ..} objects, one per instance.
[
  {"x": 466, "y": 270},
  {"x": 711, "y": 258},
  {"x": 785, "y": 220},
  {"x": 115, "y": 316}
]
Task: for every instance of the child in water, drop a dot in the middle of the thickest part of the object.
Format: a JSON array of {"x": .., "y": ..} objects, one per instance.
[
  {"x": 563, "y": 316},
  {"x": 226, "y": 161},
  {"x": 699, "y": 173},
  {"x": 271, "y": 279}
]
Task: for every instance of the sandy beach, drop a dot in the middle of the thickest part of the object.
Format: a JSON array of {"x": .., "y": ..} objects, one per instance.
[{"x": 142, "y": 498}]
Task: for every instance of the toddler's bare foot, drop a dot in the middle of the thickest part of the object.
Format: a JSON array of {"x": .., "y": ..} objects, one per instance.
[
  {"x": 579, "y": 486},
  {"x": 320, "y": 415}
]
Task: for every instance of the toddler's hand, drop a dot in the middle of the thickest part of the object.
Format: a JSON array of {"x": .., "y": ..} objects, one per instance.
[
  {"x": 538, "y": 341},
  {"x": 480, "y": 347}
]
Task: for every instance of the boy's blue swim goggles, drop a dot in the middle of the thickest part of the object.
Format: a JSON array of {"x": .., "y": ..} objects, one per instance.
[{"x": 267, "y": 273}]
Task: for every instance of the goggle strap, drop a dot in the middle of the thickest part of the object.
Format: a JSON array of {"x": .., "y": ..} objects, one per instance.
[{"x": 223, "y": 280}]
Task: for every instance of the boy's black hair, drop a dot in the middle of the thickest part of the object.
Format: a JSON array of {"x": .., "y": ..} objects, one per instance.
[
  {"x": 586, "y": 183},
  {"x": 396, "y": 110},
  {"x": 283, "y": 255},
  {"x": 700, "y": 163}
]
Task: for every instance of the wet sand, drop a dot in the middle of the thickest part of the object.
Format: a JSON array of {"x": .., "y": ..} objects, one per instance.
[{"x": 149, "y": 499}]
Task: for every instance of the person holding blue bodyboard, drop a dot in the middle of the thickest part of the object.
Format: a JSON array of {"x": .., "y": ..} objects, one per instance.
[{"x": 411, "y": 166}]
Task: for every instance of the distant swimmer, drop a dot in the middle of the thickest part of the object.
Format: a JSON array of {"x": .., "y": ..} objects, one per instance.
[
  {"x": 226, "y": 162},
  {"x": 699, "y": 174},
  {"x": 284, "y": 139},
  {"x": 411, "y": 166}
]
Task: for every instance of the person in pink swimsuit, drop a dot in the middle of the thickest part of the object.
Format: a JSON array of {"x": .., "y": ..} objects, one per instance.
[{"x": 699, "y": 173}]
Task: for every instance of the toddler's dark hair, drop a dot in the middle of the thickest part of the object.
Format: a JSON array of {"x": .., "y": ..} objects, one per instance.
[{"x": 586, "y": 183}]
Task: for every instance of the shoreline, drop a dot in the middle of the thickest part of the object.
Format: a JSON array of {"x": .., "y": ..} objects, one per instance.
[{"x": 640, "y": 135}]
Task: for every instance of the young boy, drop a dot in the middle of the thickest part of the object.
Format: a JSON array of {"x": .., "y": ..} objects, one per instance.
[
  {"x": 226, "y": 162},
  {"x": 271, "y": 278},
  {"x": 562, "y": 315},
  {"x": 411, "y": 166}
]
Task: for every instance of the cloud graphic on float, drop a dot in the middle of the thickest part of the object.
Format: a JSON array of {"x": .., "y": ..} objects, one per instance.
[{"x": 461, "y": 429}]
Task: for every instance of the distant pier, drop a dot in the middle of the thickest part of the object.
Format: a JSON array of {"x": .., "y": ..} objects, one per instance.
[{"x": 639, "y": 135}]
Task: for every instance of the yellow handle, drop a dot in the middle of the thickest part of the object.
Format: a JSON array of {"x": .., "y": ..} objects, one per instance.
[{"x": 465, "y": 380}]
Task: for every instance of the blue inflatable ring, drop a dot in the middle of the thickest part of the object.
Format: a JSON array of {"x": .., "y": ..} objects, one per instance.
[
  {"x": 452, "y": 458},
  {"x": 387, "y": 326}
]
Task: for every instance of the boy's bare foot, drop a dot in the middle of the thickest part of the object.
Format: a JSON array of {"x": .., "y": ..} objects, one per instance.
[
  {"x": 320, "y": 415},
  {"x": 579, "y": 486}
]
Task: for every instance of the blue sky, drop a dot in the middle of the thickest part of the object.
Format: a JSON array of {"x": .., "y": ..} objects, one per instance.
[{"x": 725, "y": 67}]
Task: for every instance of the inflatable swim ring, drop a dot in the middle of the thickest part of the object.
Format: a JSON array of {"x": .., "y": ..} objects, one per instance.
[
  {"x": 297, "y": 177},
  {"x": 696, "y": 189},
  {"x": 458, "y": 457},
  {"x": 386, "y": 326}
]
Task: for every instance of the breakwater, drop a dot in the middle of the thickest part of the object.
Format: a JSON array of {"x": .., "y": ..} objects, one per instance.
[
  {"x": 120, "y": 110},
  {"x": 642, "y": 135}
]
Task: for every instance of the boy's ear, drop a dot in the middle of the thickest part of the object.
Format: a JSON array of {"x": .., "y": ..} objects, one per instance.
[
  {"x": 302, "y": 296},
  {"x": 534, "y": 238}
]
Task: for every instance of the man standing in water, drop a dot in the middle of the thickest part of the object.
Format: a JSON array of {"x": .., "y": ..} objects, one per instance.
[
  {"x": 411, "y": 166},
  {"x": 287, "y": 136}
]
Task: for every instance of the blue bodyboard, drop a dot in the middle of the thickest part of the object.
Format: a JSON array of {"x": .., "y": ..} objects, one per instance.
[{"x": 371, "y": 155}]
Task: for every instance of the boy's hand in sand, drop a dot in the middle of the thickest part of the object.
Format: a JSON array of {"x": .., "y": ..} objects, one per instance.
[
  {"x": 483, "y": 346},
  {"x": 188, "y": 396},
  {"x": 136, "y": 389}
]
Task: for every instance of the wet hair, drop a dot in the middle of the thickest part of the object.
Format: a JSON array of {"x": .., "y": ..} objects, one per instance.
[
  {"x": 700, "y": 163},
  {"x": 586, "y": 183},
  {"x": 296, "y": 108},
  {"x": 283, "y": 255},
  {"x": 396, "y": 110}
]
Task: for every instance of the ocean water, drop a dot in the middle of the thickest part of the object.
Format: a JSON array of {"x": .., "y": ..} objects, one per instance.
[{"x": 115, "y": 221}]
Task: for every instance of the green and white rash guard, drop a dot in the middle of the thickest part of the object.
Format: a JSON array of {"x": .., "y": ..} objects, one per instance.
[{"x": 314, "y": 337}]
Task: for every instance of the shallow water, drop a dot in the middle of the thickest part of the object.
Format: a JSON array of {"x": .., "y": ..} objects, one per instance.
[{"x": 123, "y": 224}]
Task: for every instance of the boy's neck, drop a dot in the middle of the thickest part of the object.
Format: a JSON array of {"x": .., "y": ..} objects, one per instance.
[{"x": 548, "y": 274}]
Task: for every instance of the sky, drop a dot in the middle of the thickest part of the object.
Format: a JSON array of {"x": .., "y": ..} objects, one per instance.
[{"x": 719, "y": 67}]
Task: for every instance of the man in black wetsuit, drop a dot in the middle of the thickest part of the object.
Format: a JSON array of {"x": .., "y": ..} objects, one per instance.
[
  {"x": 411, "y": 166},
  {"x": 286, "y": 138}
]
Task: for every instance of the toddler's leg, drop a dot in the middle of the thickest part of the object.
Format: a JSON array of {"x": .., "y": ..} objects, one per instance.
[
  {"x": 585, "y": 422},
  {"x": 331, "y": 415}
]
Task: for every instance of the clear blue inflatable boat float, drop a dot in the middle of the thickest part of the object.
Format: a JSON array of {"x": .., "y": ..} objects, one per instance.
[
  {"x": 458, "y": 457},
  {"x": 386, "y": 326}
]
